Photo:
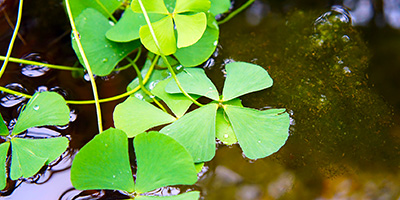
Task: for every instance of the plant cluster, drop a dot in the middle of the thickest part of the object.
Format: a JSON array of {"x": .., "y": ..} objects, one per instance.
[{"x": 182, "y": 33}]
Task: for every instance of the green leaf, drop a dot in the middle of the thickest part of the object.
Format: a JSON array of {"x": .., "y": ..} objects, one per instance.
[
  {"x": 199, "y": 167},
  {"x": 224, "y": 131},
  {"x": 165, "y": 34},
  {"x": 161, "y": 161},
  {"x": 103, "y": 163},
  {"x": 193, "y": 195},
  {"x": 194, "y": 81},
  {"x": 260, "y": 133},
  {"x": 243, "y": 78},
  {"x": 192, "y": 6},
  {"x": 178, "y": 103},
  {"x": 200, "y": 51},
  {"x": 3, "y": 157},
  {"x": 219, "y": 6},
  {"x": 127, "y": 28},
  {"x": 103, "y": 55},
  {"x": 151, "y": 6},
  {"x": 45, "y": 108},
  {"x": 196, "y": 132},
  {"x": 28, "y": 156},
  {"x": 135, "y": 116},
  {"x": 190, "y": 28},
  {"x": 108, "y": 6},
  {"x": 3, "y": 128}
]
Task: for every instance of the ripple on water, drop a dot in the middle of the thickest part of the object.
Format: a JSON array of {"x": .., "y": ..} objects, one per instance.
[
  {"x": 10, "y": 100},
  {"x": 33, "y": 70}
]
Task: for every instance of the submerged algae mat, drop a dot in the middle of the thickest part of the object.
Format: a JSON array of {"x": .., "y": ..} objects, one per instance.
[{"x": 340, "y": 126}]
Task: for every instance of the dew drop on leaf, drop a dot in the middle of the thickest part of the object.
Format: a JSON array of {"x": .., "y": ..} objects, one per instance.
[
  {"x": 104, "y": 60},
  {"x": 226, "y": 136},
  {"x": 36, "y": 107}
]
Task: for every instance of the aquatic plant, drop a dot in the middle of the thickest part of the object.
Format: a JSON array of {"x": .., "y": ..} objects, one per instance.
[
  {"x": 184, "y": 34},
  {"x": 29, "y": 155}
]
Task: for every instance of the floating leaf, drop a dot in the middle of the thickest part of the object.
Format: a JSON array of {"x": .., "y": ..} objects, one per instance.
[
  {"x": 29, "y": 155},
  {"x": 3, "y": 157},
  {"x": 199, "y": 167},
  {"x": 161, "y": 161},
  {"x": 107, "y": 6},
  {"x": 135, "y": 116},
  {"x": 196, "y": 132},
  {"x": 3, "y": 128},
  {"x": 193, "y": 195},
  {"x": 45, "y": 108},
  {"x": 192, "y": 6},
  {"x": 103, "y": 55},
  {"x": 178, "y": 103},
  {"x": 190, "y": 28},
  {"x": 219, "y": 6},
  {"x": 260, "y": 133},
  {"x": 103, "y": 163},
  {"x": 243, "y": 78},
  {"x": 194, "y": 81},
  {"x": 200, "y": 51},
  {"x": 165, "y": 34},
  {"x": 224, "y": 131},
  {"x": 127, "y": 28}
]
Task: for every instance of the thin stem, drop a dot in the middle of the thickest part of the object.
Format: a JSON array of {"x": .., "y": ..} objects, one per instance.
[
  {"x": 237, "y": 11},
  {"x": 105, "y": 10},
  {"x": 14, "y": 36},
  {"x": 163, "y": 55},
  {"x": 12, "y": 26},
  {"x": 88, "y": 68},
  {"x": 84, "y": 102},
  {"x": 144, "y": 89},
  {"x": 30, "y": 62},
  {"x": 130, "y": 64}
]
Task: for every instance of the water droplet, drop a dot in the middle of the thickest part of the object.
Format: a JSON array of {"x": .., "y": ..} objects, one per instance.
[
  {"x": 215, "y": 43},
  {"x": 259, "y": 141},
  {"x": 226, "y": 136},
  {"x": 210, "y": 88},
  {"x": 104, "y": 60},
  {"x": 113, "y": 176},
  {"x": 346, "y": 70},
  {"x": 36, "y": 107},
  {"x": 346, "y": 38},
  {"x": 106, "y": 145}
]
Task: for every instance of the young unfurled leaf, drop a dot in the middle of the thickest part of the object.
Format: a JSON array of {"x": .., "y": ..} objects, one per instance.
[
  {"x": 3, "y": 157},
  {"x": 194, "y": 81},
  {"x": 161, "y": 161},
  {"x": 196, "y": 132},
  {"x": 135, "y": 116},
  {"x": 243, "y": 78},
  {"x": 103, "y": 163},
  {"x": 3, "y": 128},
  {"x": 45, "y": 108},
  {"x": 29, "y": 155},
  {"x": 103, "y": 55},
  {"x": 260, "y": 133}
]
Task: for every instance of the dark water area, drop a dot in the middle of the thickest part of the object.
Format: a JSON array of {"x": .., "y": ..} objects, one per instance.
[{"x": 335, "y": 72}]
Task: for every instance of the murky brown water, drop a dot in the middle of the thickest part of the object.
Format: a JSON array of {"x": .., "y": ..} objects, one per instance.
[{"x": 339, "y": 83}]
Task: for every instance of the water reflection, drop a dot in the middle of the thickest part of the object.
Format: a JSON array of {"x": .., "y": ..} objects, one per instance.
[
  {"x": 33, "y": 70},
  {"x": 9, "y": 100}
]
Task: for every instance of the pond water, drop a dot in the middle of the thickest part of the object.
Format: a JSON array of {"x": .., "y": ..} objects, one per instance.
[{"x": 336, "y": 72}]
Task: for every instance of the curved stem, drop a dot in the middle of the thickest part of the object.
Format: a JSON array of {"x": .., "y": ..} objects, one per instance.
[
  {"x": 144, "y": 89},
  {"x": 237, "y": 11},
  {"x": 163, "y": 55},
  {"x": 14, "y": 36},
  {"x": 84, "y": 102},
  {"x": 30, "y": 62},
  {"x": 88, "y": 68}
]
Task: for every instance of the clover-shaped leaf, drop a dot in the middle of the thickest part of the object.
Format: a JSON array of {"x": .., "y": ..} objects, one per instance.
[
  {"x": 188, "y": 17},
  {"x": 259, "y": 133},
  {"x": 161, "y": 161},
  {"x": 219, "y": 6},
  {"x": 103, "y": 6},
  {"x": 29, "y": 155},
  {"x": 103, "y": 55},
  {"x": 45, "y": 108}
]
